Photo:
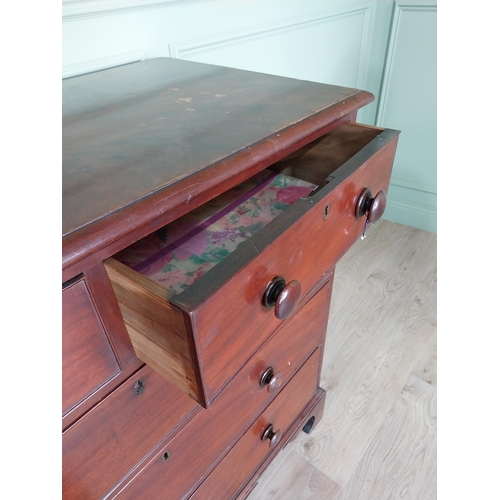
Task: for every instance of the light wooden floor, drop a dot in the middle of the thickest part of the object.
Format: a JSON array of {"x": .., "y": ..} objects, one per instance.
[{"x": 377, "y": 438}]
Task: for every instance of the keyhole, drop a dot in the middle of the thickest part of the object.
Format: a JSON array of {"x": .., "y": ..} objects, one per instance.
[
  {"x": 165, "y": 456},
  {"x": 326, "y": 212},
  {"x": 139, "y": 387}
]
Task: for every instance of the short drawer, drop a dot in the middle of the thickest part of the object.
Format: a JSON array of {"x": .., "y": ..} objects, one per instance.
[
  {"x": 182, "y": 463},
  {"x": 104, "y": 446},
  {"x": 200, "y": 337},
  {"x": 261, "y": 438},
  {"x": 97, "y": 354},
  {"x": 88, "y": 359}
]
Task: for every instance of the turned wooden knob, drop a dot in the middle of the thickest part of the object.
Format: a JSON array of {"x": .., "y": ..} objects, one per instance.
[
  {"x": 274, "y": 437},
  {"x": 373, "y": 208},
  {"x": 282, "y": 296},
  {"x": 271, "y": 379}
]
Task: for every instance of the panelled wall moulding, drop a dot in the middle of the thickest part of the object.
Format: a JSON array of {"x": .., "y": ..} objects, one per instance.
[
  {"x": 410, "y": 201},
  {"x": 360, "y": 32},
  {"x": 101, "y": 63},
  {"x": 79, "y": 9},
  {"x": 416, "y": 186},
  {"x": 399, "y": 7},
  {"x": 186, "y": 48}
]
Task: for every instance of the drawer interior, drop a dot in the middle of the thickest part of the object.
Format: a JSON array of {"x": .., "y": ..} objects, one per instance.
[
  {"x": 180, "y": 253},
  {"x": 316, "y": 161}
]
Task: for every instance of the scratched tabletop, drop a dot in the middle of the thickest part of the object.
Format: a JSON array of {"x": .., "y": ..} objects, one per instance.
[{"x": 132, "y": 130}]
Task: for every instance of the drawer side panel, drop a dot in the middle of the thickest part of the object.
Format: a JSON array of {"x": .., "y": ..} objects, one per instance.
[{"x": 156, "y": 328}]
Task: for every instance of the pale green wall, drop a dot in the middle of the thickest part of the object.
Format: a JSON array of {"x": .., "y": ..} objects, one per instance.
[
  {"x": 343, "y": 42},
  {"x": 408, "y": 102}
]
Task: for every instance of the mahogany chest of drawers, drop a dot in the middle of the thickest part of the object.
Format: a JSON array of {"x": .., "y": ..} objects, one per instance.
[{"x": 204, "y": 210}]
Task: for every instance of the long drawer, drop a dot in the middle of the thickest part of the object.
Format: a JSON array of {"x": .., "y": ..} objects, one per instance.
[
  {"x": 200, "y": 337},
  {"x": 104, "y": 446},
  {"x": 180, "y": 464}
]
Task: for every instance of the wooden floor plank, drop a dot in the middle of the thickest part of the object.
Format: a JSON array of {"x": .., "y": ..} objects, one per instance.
[
  {"x": 364, "y": 257},
  {"x": 414, "y": 255},
  {"x": 430, "y": 490},
  {"x": 363, "y": 389},
  {"x": 401, "y": 459},
  {"x": 277, "y": 465},
  {"x": 388, "y": 246},
  {"x": 381, "y": 341},
  {"x": 353, "y": 327},
  {"x": 377, "y": 298},
  {"x": 426, "y": 368},
  {"x": 298, "y": 480}
]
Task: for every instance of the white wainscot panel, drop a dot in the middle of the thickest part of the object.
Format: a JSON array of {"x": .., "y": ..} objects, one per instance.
[
  {"x": 411, "y": 204},
  {"x": 100, "y": 63},
  {"x": 408, "y": 103},
  {"x": 330, "y": 48}
]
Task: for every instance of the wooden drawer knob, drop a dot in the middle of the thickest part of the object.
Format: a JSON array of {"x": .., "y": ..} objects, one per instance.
[
  {"x": 274, "y": 437},
  {"x": 373, "y": 208},
  {"x": 282, "y": 296},
  {"x": 271, "y": 379}
]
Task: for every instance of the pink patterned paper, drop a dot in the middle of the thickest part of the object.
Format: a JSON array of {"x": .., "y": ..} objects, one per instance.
[{"x": 178, "y": 254}]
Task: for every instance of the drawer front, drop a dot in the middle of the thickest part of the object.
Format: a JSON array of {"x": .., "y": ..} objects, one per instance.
[
  {"x": 300, "y": 244},
  {"x": 201, "y": 337},
  {"x": 88, "y": 360},
  {"x": 251, "y": 450},
  {"x": 194, "y": 452},
  {"x": 106, "y": 444}
]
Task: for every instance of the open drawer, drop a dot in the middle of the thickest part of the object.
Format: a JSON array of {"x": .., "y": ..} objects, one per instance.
[{"x": 198, "y": 337}]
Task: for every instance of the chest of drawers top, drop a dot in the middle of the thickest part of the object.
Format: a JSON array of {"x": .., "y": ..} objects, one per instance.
[{"x": 145, "y": 143}]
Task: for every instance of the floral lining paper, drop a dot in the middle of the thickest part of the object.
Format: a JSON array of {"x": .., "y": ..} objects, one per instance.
[{"x": 178, "y": 254}]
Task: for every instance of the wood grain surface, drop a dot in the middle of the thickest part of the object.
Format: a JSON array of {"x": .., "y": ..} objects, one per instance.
[
  {"x": 223, "y": 309},
  {"x": 156, "y": 328},
  {"x": 106, "y": 444},
  {"x": 97, "y": 353},
  {"x": 299, "y": 477},
  {"x": 211, "y": 433},
  {"x": 88, "y": 358},
  {"x": 301, "y": 249},
  {"x": 409, "y": 425},
  {"x": 245, "y": 457},
  {"x": 377, "y": 438},
  {"x": 145, "y": 143},
  {"x": 130, "y": 130}
]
